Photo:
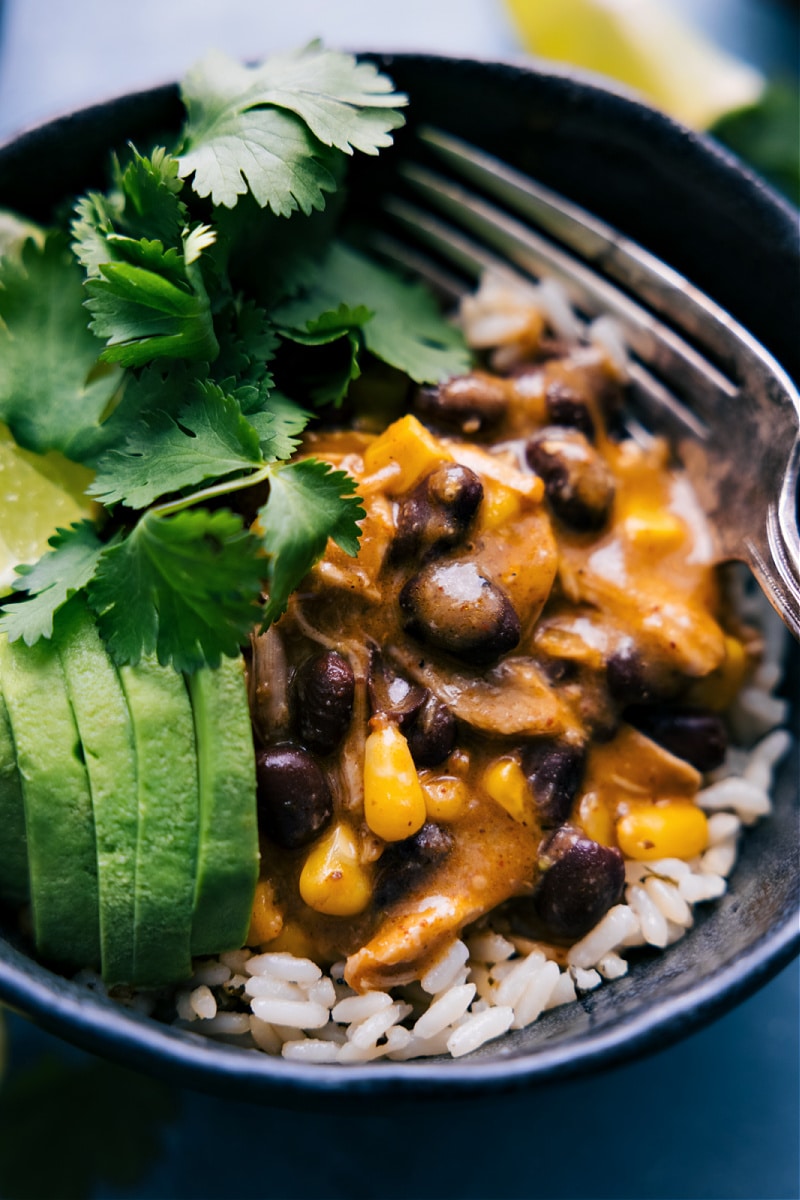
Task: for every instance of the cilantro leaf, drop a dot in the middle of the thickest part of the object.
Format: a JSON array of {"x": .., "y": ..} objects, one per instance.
[
  {"x": 324, "y": 375},
  {"x": 162, "y": 387},
  {"x": 209, "y": 440},
  {"x": 270, "y": 258},
  {"x": 279, "y": 424},
  {"x": 150, "y": 188},
  {"x": 406, "y": 329},
  {"x": 185, "y": 587},
  {"x": 345, "y": 104},
  {"x": 51, "y": 391},
  {"x": 268, "y": 129},
  {"x": 329, "y": 325},
  {"x": 308, "y": 503},
  {"x": 145, "y": 310},
  {"x": 92, "y": 225},
  {"x": 57, "y": 576},
  {"x": 247, "y": 342},
  {"x": 144, "y": 207}
]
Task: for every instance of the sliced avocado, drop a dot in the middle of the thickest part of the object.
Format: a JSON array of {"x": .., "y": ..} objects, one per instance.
[
  {"x": 227, "y": 860},
  {"x": 62, "y": 857},
  {"x": 13, "y": 841},
  {"x": 106, "y": 733},
  {"x": 166, "y": 849}
]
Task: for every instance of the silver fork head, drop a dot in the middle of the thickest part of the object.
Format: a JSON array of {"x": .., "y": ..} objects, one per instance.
[{"x": 729, "y": 409}]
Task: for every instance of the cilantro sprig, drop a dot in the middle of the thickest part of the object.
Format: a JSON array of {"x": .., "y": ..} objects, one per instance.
[
  {"x": 274, "y": 129},
  {"x": 181, "y": 341}
]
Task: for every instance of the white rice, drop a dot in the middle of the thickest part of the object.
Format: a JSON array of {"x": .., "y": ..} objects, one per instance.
[{"x": 484, "y": 984}]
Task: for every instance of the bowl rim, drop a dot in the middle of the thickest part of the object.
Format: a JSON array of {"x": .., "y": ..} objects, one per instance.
[{"x": 99, "y": 1024}]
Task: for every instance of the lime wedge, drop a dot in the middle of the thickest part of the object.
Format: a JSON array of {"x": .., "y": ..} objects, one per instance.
[
  {"x": 14, "y": 232},
  {"x": 643, "y": 44},
  {"x": 38, "y": 494}
]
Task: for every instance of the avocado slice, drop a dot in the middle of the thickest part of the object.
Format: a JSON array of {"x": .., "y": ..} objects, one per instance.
[
  {"x": 106, "y": 733},
  {"x": 62, "y": 856},
  {"x": 14, "y": 886},
  {"x": 227, "y": 861},
  {"x": 166, "y": 849}
]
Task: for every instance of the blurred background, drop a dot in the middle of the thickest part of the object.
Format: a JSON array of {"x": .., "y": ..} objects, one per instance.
[
  {"x": 717, "y": 1115},
  {"x": 704, "y": 60}
]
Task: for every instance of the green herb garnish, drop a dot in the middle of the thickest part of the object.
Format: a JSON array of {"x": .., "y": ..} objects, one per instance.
[{"x": 179, "y": 343}]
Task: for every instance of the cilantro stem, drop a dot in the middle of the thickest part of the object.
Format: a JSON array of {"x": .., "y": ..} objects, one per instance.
[{"x": 219, "y": 489}]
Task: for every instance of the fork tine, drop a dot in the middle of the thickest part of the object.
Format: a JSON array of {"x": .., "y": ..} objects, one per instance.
[
  {"x": 447, "y": 286},
  {"x": 653, "y": 342},
  {"x": 663, "y": 289},
  {"x": 650, "y": 396}
]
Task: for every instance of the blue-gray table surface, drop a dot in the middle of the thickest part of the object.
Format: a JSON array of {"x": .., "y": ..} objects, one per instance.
[{"x": 715, "y": 1116}]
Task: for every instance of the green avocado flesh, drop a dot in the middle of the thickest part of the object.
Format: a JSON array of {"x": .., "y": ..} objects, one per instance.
[
  {"x": 227, "y": 862},
  {"x": 166, "y": 851},
  {"x": 127, "y": 805},
  {"x": 62, "y": 857},
  {"x": 106, "y": 733},
  {"x": 13, "y": 841}
]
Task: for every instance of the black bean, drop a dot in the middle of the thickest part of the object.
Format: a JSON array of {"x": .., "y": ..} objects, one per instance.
[
  {"x": 467, "y": 403},
  {"x": 324, "y": 689},
  {"x": 457, "y": 489},
  {"x": 429, "y": 726},
  {"x": 694, "y": 734},
  {"x": 294, "y": 800},
  {"x": 438, "y": 512},
  {"x": 580, "y": 882},
  {"x": 632, "y": 680},
  {"x": 392, "y": 694},
  {"x": 566, "y": 407},
  {"x": 454, "y": 607},
  {"x": 432, "y": 733},
  {"x": 403, "y": 865},
  {"x": 577, "y": 482},
  {"x": 554, "y": 771}
]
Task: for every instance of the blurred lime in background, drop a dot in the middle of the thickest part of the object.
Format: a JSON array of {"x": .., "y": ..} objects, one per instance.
[
  {"x": 38, "y": 494},
  {"x": 648, "y": 46}
]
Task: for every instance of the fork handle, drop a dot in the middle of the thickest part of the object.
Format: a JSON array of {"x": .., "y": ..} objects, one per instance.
[{"x": 775, "y": 558}]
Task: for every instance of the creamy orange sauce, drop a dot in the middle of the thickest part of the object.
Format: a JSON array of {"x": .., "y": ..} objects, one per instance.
[{"x": 640, "y": 584}]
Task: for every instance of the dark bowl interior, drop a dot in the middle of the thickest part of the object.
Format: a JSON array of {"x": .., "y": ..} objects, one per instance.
[{"x": 693, "y": 205}]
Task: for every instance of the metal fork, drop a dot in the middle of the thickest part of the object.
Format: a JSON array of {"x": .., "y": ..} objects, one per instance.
[{"x": 729, "y": 409}]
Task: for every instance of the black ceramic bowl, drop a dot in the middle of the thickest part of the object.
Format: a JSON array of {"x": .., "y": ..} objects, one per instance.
[{"x": 690, "y": 203}]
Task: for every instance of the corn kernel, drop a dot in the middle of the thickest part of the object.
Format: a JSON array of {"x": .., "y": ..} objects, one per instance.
[
  {"x": 505, "y": 782},
  {"x": 394, "y": 803},
  {"x": 499, "y": 506},
  {"x": 293, "y": 939},
  {"x": 407, "y": 444},
  {"x": 666, "y": 829},
  {"x": 719, "y": 689},
  {"x": 655, "y": 529},
  {"x": 332, "y": 880},
  {"x": 596, "y": 820},
  {"x": 266, "y": 920},
  {"x": 446, "y": 798}
]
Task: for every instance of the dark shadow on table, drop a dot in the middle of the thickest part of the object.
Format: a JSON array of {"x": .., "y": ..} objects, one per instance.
[{"x": 714, "y": 1117}]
